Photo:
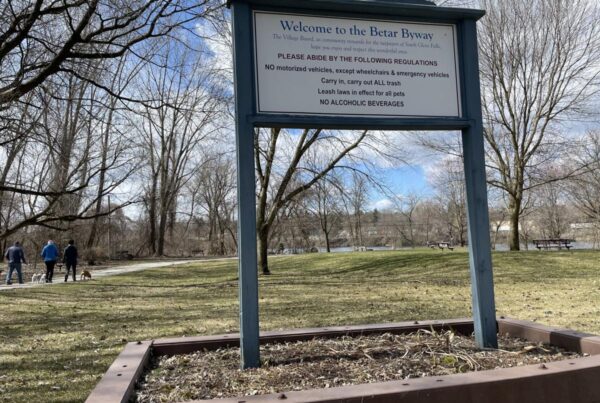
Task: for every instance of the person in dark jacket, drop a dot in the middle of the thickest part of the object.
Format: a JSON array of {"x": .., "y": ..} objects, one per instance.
[
  {"x": 50, "y": 255},
  {"x": 15, "y": 257},
  {"x": 70, "y": 259}
]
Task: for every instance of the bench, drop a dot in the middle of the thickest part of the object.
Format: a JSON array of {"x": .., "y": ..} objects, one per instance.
[
  {"x": 440, "y": 245},
  {"x": 553, "y": 243}
]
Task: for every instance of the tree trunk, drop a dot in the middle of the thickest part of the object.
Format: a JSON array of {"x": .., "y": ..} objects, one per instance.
[
  {"x": 222, "y": 243},
  {"x": 162, "y": 230},
  {"x": 152, "y": 218},
  {"x": 358, "y": 230},
  {"x": 325, "y": 229},
  {"x": 514, "y": 208},
  {"x": 101, "y": 181},
  {"x": 212, "y": 232},
  {"x": 263, "y": 249}
]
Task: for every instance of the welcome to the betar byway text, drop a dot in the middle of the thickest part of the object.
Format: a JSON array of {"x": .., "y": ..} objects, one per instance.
[{"x": 331, "y": 66}]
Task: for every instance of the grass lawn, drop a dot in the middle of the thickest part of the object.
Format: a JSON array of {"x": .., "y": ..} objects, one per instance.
[{"x": 56, "y": 342}]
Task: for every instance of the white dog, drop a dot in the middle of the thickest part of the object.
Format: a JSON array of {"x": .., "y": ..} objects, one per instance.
[{"x": 38, "y": 278}]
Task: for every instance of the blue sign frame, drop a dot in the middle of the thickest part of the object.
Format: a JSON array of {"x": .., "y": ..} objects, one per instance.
[{"x": 470, "y": 124}]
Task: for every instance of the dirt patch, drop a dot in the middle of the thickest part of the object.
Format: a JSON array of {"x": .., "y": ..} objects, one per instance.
[{"x": 327, "y": 363}]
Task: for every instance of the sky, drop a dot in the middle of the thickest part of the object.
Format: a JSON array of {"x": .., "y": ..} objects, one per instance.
[
  {"x": 403, "y": 181},
  {"x": 409, "y": 179}
]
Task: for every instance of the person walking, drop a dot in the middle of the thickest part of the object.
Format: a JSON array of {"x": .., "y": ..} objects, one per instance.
[
  {"x": 50, "y": 255},
  {"x": 70, "y": 259},
  {"x": 15, "y": 257}
]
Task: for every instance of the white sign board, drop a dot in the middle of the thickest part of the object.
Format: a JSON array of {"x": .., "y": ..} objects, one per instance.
[{"x": 312, "y": 65}]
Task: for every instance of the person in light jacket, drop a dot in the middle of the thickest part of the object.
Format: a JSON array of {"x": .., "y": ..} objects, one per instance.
[{"x": 50, "y": 255}]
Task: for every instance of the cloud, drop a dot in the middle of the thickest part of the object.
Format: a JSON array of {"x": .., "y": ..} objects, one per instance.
[
  {"x": 219, "y": 46},
  {"x": 382, "y": 205}
]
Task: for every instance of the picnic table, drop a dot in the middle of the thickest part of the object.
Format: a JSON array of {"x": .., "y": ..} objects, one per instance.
[
  {"x": 558, "y": 243},
  {"x": 440, "y": 245}
]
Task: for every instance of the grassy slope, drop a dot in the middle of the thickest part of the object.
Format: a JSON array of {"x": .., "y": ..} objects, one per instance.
[{"x": 56, "y": 342}]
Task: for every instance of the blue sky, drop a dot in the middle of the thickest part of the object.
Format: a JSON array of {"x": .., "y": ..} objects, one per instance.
[
  {"x": 409, "y": 179},
  {"x": 402, "y": 181}
]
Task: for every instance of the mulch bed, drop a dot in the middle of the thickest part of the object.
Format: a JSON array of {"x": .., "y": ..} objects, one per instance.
[{"x": 328, "y": 363}]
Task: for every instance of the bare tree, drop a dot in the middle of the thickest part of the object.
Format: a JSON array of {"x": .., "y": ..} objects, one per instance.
[
  {"x": 214, "y": 191},
  {"x": 584, "y": 189},
  {"x": 171, "y": 130},
  {"x": 50, "y": 173},
  {"x": 355, "y": 199},
  {"x": 407, "y": 206},
  {"x": 538, "y": 66},
  {"x": 53, "y": 170},
  {"x": 112, "y": 135},
  {"x": 281, "y": 181},
  {"x": 13, "y": 160},
  {"x": 39, "y": 38},
  {"x": 449, "y": 184},
  {"x": 325, "y": 204},
  {"x": 300, "y": 224},
  {"x": 427, "y": 216},
  {"x": 551, "y": 212},
  {"x": 498, "y": 218}
]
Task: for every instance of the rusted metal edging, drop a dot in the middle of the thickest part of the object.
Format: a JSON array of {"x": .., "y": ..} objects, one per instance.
[{"x": 119, "y": 381}]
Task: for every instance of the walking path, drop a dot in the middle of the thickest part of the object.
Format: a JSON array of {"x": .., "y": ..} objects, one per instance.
[{"x": 110, "y": 271}]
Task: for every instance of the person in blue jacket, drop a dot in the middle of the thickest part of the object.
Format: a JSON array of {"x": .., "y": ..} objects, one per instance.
[{"x": 50, "y": 255}]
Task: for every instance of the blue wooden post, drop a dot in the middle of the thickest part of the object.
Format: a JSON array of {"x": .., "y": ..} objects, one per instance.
[
  {"x": 248, "y": 268},
  {"x": 480, "y": 257}
]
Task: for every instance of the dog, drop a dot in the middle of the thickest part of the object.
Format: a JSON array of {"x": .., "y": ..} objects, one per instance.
[
  {"x": 36, "y": 277},
  {"x": 85, "y": 275}
]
